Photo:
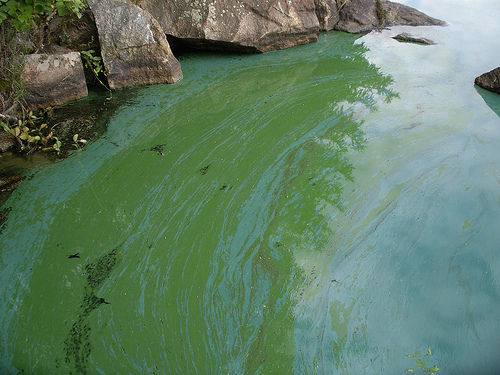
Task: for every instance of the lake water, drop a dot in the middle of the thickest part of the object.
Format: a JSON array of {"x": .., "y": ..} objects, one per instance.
[{"x": 328, "y": 209}]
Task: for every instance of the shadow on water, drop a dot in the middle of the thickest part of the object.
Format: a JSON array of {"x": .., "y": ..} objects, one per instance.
[
  {"x": 492, "y": 99},
  {"x": 216, "y": 187}
]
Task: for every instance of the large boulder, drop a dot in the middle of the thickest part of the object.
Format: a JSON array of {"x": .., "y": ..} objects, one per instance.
[
  {"x": 134, "y": 47},
  {"x": 238, "y": 25},
  {"x": 490, "y": 81},
  {"x": 357, "y": 16},
  {"x": 51, "y": 79}
]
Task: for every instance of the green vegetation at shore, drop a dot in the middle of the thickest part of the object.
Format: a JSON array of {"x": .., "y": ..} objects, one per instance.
[
  {"x": 24, "y": 15},
  {"x": 23, "y": 30}
]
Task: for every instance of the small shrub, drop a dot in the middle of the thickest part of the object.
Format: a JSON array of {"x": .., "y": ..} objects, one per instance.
[{"x": 26, "y": 14}]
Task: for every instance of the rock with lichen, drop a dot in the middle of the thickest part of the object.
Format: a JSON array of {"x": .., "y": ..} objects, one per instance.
[
  {"x": 490, "y": 81},
  {"x": 358, "y": 16}
]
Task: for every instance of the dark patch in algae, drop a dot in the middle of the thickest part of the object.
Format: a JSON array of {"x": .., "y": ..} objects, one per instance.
[
  {"x": 99, "y": 271},
  {"x": 204, "y": 170},
  {"x": 157, "y": 149},
  {"x": 77, "y": 343}
]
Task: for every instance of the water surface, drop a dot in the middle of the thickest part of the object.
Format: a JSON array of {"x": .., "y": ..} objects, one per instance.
[{"x": 327, "y": 209}]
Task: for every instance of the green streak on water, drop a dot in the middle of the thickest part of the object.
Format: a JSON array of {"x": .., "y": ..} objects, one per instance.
[{"x": 206, "y": 194}]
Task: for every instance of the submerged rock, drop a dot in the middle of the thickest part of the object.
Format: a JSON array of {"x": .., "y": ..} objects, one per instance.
[
  {"x": 490, "y": 81},
  {"x": 7, "y": 186},
  {"x": 407, "y": 38},
  {"x": 357, "y": 16},
  {"x": 134, "y": 47},
  {"x": 237, "y": 25},
  {"x": 53, "y": 79}
]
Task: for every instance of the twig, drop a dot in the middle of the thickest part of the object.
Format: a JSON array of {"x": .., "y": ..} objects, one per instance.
[
  {"x": 11, "y": 108},
  {"x": 339, "y": 7},
  {"x": 8, "y": 117}
]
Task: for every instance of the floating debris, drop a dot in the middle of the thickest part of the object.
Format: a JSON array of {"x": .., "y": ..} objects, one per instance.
[
  {"x": 204, "y": 170},
  {"x": 158, "y": 148}
]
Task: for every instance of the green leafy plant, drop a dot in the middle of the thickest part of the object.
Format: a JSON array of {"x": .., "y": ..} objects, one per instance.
[
  {"x": 21, "y": 133},
  {"x": 56, "y": 146},
  {"x": 420, "y": 362},
  {"x": 77, "y": 141},
  {"x": 94, "y": 63},
  {"x": 32, "y": 134},
  {"x": 25, "y": 14}
]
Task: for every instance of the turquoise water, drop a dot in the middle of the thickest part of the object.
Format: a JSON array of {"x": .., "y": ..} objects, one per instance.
[{"x": 328, "y": 209}]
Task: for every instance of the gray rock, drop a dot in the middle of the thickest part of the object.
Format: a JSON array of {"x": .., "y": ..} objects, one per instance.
[
  {"x": 238, "y": 25},
  {"x": 327, "y": 12},
  {"x": 407, "y": 38},
  {"x": 357, "y": 16},
  {"x": 399, "y": 14},
  {"x": 7, "y": 141},
  {"x": 134, "y": 47},
  {"x": 490, "y": 81},
  {"x": 53, "y": 79}
]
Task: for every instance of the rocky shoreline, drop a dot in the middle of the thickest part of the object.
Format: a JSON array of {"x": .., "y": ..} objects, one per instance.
[{"x": 133, "y": 37}]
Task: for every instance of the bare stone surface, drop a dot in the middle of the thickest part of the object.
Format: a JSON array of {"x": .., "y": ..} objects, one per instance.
[
  {"x": 357, "y": 16},
  {"x": 134, "y": 47},
  {"x": 400, "y": 14},
  {"x": 244, "y": 25},
  {"x": 327, "y": 12},
  {"x": 490, "y": 81},
  {"x": 7, "y": 141},
  {"x": 53, "y": 79}
]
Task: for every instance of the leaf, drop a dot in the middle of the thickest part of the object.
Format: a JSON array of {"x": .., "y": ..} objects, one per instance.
[
  {"x": 429, "y": 350},
  {"x": 75, "y": 138},
  {"x": 5, "y": 127},
  {"x": 31, "y": 139},
  {"x": 24, "y": 136},
  {"x": 17, "y": 131}
]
